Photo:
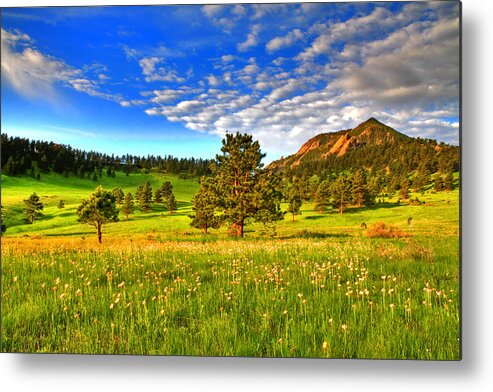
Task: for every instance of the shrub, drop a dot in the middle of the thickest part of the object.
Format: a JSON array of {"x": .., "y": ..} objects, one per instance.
[{"x": 382, "y": 230}]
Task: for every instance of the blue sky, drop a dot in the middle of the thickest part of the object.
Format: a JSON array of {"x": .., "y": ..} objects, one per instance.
[{"x": 174, "y": 79}]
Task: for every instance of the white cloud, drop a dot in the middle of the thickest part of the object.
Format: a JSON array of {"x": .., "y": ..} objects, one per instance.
[
  {"x": 227, "y": 58},
  {"x": 278, "y": 43},
  {"x": 251, "y": 40},
  {"x": 153, "y": 73},
  {"x": 213, "y": 81}
]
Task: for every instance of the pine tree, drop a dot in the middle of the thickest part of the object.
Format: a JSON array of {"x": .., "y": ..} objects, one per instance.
[
  {"x": 33, "y": 206},
  {"x": 61, "y": 204},
  {"x": 166, "y": 189},
  {"x": 3, "y": 227},
  {"x": 448, "y": 182},
  {"x": 128, "y": 205},
  {"x": 294, "y": 198},
  {"x": 98, "y": 209},
  {"x": 439, "y": 184},
  {"x": 171, "y": 203},
  {"x": 118, "y": 193},
  {"x": 322, "y": 196},
  {"x": 340, "y": 191},
  {"x": 144, "y": 196},
  {"x": 404, "y": 191},
  {"x": 205, "y": 202},
  {"x": 158, "y": 196},
  {"x": 246, "y": 191},
  {"x": 359, "y": 189},
  {"x": 9, "y": 167}
]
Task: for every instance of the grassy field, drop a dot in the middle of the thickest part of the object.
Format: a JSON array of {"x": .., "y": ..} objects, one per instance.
[{"x": 319, "y": 288}]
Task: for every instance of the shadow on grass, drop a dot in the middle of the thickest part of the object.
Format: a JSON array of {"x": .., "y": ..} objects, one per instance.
[
  {"x": 315, "y": 235},
  {"x": 356, "y": 210}
]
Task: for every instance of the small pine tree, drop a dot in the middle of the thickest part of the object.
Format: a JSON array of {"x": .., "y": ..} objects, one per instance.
[
  {"x": 3, "y": 227},
  {"x": 128, "y": 205},
  {"x": 448, "y": 182},
  {"x": 359, "y": 189},
  {"x": 171, "y": 203},
  {"x": 340, "y": 191},
  {"x": 33, "y": 206},
  {"x": 322, "y": 196},
  {"x": 439, "y": 184},
  {"x": 294, "y": 198},
  {"x": 9, "y": 167},
  {"x": 60, "y": 204},
  {"x": 98, "y": 209},
  {"x": 204, "y": 207},
  {"x": 166, "y": 189},
  {"x": 158, "y": 196},
  {"x": 144, "y": 196},
  {"x": 94, "y": 176},
  {"x": 118, "y": 193},
  {"x": 404, "y": 191}
]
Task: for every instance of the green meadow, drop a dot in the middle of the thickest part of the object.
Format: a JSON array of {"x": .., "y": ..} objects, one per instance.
[{"x": 320, "y": 286}]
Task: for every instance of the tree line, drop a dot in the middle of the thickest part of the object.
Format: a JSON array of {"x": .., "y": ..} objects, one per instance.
[{"x": 34, "y": 157}]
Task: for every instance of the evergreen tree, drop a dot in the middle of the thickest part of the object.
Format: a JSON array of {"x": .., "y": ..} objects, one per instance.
[
  {"x": 340, "y": 191},
  {"x": 246, "y": 191},
  {"x": 118, "y": 193},
  {"x": 9, "y": 168},
  {"x": 158, "y": 196},
  {"x": 98, "y": 209},
  {"x": 359, "y": 189},
  {"x": 205, "y": 202},
  {"x": 422, "y": 178},
  {"x": 171, "y": 203},
  {"x": 404, "y": 191},
  {"x": 448, "y": 182},
  {"x": 294, "y": 198},
  {"x": 33, "y": 206},
  {"x": 166, "y": 189},
  {"x": 439, "y": 184},
  {"x": 322, "y": 196},
  {"x": 374, "y": 187},
  {"x": 128, "y": 205},
  {"x": 3, "y": 227},
  {"x": 144, "y": 196},
  {"x": 60, "y": 204}
]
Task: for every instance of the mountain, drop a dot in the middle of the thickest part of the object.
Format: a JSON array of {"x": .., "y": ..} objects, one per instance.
[{"x": 371, "y": 144}]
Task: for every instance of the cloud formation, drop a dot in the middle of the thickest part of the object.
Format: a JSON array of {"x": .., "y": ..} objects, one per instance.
[{"x": 34, "y": 74}]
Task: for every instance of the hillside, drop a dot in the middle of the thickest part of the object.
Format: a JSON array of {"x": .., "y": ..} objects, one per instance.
[{"x": 371, "y": 144}]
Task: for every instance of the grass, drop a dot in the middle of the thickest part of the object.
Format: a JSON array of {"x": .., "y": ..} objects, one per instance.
[{"x": 319, "y": 288}]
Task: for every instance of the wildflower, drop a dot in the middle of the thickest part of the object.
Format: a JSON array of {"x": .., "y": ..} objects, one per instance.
[
  {"x": 112, "y": 305},
  {"x": 344, "y": 327},
  {"x": 325, "y": 345}
]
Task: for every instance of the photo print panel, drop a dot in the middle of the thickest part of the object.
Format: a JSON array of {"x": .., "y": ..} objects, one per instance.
[{"x": 244, "y": 180}]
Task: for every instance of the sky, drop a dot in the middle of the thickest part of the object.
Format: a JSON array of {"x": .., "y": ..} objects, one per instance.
[{"x": 175, "y": 79}]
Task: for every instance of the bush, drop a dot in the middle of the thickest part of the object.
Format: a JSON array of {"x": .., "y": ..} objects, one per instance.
[{"x": 382, "y": 230}]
